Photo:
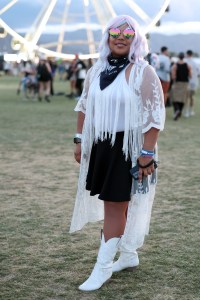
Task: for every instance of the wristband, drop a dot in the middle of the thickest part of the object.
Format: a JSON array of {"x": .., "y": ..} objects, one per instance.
[
  {"x": 147, "y": 153},
  {"x": 78, "y": 135}
]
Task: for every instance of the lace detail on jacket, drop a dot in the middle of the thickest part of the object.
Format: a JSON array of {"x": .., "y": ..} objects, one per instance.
[{"x": 153, "y": 105}]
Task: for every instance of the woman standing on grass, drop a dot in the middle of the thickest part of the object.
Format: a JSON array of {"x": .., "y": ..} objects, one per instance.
[
  {"x": 181, "y": 73},
  {"x": 120, "y": 113},
  {"x": 44, "y": 77}
]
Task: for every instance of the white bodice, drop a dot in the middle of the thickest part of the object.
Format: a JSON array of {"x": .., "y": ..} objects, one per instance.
[{"x": 109, "y": 101}]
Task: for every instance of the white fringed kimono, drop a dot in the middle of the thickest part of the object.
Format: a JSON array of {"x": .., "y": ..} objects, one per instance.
[{"x": 143, "y": 109}]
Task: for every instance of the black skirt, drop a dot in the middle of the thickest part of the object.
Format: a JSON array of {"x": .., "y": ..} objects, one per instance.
[{"x": 108, "y": 172}]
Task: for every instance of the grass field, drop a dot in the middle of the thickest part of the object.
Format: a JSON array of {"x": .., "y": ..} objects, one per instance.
[{"x": 38, "y": 178}]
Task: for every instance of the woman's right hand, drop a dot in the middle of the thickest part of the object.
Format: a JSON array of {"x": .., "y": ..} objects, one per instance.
[{"x": 77, "y": 152}]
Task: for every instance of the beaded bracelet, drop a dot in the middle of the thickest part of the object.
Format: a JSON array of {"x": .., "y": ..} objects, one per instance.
[{"x": 152, "y": 162}]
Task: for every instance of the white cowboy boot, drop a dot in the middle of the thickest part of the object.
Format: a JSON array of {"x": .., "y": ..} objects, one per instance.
[
  {"x": 103, "y": 268},
  {"x": 128, "y": 260}
]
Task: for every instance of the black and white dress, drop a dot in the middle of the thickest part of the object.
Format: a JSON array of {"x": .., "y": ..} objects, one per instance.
[{"x": 118, "y": 115}]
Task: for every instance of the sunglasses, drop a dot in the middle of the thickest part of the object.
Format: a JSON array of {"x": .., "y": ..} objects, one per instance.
[{"x": 128, "y": 33}]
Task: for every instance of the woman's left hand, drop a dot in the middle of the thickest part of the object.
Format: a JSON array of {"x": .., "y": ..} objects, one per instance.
[{"x": 145, "y": 171}]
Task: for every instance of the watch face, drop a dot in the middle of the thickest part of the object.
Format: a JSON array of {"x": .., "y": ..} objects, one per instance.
[{"x": 77, "y": 140}]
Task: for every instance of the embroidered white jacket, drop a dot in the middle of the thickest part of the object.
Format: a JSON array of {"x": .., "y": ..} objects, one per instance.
[{"x": 144, "y": 109}]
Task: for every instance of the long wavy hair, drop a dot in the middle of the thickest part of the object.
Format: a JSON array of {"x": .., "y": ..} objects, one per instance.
[{"x": 139, "y": 46}]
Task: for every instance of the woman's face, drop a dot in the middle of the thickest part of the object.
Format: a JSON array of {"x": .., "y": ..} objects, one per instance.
[{"x": 120, "y": 45}]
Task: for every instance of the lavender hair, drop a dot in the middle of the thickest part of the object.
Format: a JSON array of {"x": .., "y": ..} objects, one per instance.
[{"x": 139, "y": 46}]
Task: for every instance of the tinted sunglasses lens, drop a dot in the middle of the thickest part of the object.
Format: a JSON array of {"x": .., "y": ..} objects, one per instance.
[
  {"x": 114, "y": 32},
  {"x": 129, "y": 33}
]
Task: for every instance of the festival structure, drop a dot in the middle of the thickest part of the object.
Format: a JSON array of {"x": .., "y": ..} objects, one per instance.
[{"x": 61, "y": 28}]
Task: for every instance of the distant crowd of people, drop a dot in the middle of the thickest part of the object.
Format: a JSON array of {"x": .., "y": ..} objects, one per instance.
[
  {"x": 37, "y": 80},
  {"x": 76, "y": 73},
  {"x": 179, "y": 79}
]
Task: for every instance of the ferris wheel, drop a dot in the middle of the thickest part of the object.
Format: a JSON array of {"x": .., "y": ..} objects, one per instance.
[{"x": 61, "y": 28}]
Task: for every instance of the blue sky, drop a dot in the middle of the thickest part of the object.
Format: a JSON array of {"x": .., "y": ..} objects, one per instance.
[
  {"x": 22, "y": 14},
  {"x": 181, "y": 10}
]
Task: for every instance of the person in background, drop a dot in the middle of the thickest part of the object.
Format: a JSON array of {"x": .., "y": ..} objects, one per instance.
[
  {"x": 153, "y": 60},
  {"x": 1, "y": 64},
  {"x": 80, "y": 70},
  {"x": 24, "y": 86},
  {"x": 77, "y": 73},
  {"x": 181, "y": 73},
  {"x": 120, "y": 113},
  {"x": 44, "y": 75},
  {"x": 53, "y": 66},
  {"x": 90, "y": 63},
  {"x": 71, "y": 76},
  {"x": 61, "y": 70},
  {"x": 29, "y": 68},
  {"x": 193, "y": 84},
  {"x": 7, "y": 67},
  {"x": 163, "y": 70}
]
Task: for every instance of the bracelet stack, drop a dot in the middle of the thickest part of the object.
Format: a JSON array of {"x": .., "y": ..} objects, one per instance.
[{"x": 147, "y": 153}]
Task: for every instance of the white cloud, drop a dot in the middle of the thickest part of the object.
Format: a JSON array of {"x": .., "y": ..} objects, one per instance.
[
  {"x": 55, "y": 29},
  {"x": 173, "y": 28}
]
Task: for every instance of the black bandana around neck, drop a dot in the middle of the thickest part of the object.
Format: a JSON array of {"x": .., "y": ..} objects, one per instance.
[{"x": 116, "y": 65}]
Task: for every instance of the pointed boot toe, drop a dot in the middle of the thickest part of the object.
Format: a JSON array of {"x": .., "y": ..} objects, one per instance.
[{"x": 97, "y": 278}]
